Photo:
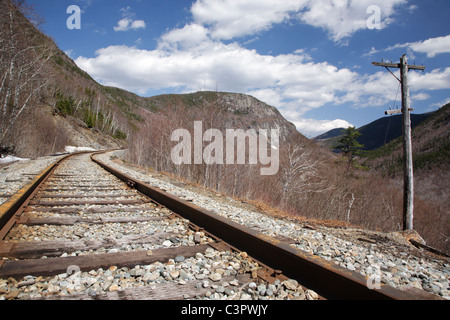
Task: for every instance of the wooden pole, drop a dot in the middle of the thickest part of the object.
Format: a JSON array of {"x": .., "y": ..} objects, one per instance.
[{"x": 408, "y": 188}]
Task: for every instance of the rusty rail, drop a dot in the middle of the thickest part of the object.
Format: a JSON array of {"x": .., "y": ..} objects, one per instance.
[
  {"x": 12, "y": 206},
  {"x": 326, "y": 278}
]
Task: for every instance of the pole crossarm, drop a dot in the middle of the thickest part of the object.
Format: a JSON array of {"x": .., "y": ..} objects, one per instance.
[{"x": 398, "y": 65}]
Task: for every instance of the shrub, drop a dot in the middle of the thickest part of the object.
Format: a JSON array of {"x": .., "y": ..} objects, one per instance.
[{"x": 64, "y": 106}]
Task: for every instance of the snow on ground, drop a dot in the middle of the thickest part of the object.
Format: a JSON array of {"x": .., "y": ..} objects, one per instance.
[
  {"x": 10, "y": 159},
  {"x": 71, "y": 149}
]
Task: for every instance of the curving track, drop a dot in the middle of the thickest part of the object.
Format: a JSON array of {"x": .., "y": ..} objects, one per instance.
[{"x": 81, "y": 230}]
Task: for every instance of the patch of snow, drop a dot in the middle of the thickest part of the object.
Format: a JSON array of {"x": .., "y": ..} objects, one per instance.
[
  {"x": 71, "y": 149},
  {"x": 10, "y": 159}
]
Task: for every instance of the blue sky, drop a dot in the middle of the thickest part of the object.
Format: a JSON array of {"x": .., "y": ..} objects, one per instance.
[{"x": 309, "y": 58}]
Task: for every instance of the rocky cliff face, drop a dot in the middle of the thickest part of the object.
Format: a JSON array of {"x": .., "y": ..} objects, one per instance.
[
  {"x": 261, "y": 114},
  {"x": 223, "y": 110}
]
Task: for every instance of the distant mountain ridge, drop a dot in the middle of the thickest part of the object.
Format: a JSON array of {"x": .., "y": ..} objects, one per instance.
[
  {"x": 374, "y": 135},
  {"x": 431, "y": 146}
]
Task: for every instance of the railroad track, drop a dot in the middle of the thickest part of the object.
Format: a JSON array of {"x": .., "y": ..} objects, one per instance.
[{"x": 82, "y": 230}]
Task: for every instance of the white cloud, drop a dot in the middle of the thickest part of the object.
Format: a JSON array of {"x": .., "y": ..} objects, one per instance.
[
  {"x": 371, "y": 52},
  {"x": 293, "y": 79},
  {"x": 342, "y": 18},
  {"x": 421, "y": 96},
  {"x": 127, "y": 24},
  {"x": 229, "y": 19},
  {"x": 437, "y": 79},
  {"x": 189, "y": 36},
  {"x": 138, "y": 24},
  {"x": 235, "y": 18},
  {"x": 122, "y": 25},
  {"x": 312, "y": 128},
  {"x": 432, "y": 47}
]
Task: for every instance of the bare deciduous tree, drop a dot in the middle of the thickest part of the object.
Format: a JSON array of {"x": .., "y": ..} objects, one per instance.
[
  {"x": 297, "y": 173},
  {"x": 22, "y": 66}
]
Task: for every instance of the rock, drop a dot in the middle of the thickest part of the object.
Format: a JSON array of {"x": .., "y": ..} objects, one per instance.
[
  {"x": 290, "y": 284},
  {"x": 167, "y": 243},
  {"x": 282, "y": 294},
  {"x": 215, "y": 277},
  {"x": 199, "y": 256},
  {"x": 179, "y": 259},
  {"x": 113, "y": 287},
  {"x": 234, "y": 282},
  {"x": 12, "y": 295},
  {"x": 92, "y": 293},
  {"x": 184, "y": 275},
  {"x": 351, "y": 267},
  {"x": 53, "y": 288},
  {"x": 200, "y": 276},
  {"x": 220, "y": 289},
  {"x": 252, "y": 285},
  {"x": 245, "y": 296},
  {"x": 220, "y": 271},
  {"x": 151, "y": 276},
  {"x": 311, "y": 295},
  {"x": 390, "y": 264},
  {"x": 262, "y": 289},
  {"x": 26, "y": 283},
  {"x": 272, "y": 287},
  {"x": 243, "y": 255}
]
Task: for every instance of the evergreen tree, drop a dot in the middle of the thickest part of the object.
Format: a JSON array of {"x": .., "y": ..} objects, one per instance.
[{"x": 349, "y": 144}]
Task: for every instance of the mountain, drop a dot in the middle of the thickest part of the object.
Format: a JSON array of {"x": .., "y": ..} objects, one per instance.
[
  {"x": 375, "y": 134},
  {"x": 329, "y": 135},
  {"x": 431, "y": 146},
  {"x": 226, "y": 111}
]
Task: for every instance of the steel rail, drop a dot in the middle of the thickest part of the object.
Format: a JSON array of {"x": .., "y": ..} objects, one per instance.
[
  {"x": 326, "y": 278},
  {"x": 11, "y": 207}
]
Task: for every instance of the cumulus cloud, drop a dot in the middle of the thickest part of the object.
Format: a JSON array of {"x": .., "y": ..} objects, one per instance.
[
  {"x": 186, "y": 37},
  {"x": 437, "y": 79},
  {"x": 431, "y": 47},
  {"x": 312, "y": 128},
  {"x": 228, "y": 19},
  {"x": 292, "y": 80},
  {"x": 342, "y": 18},
  {"x": 128, "y": 22}
]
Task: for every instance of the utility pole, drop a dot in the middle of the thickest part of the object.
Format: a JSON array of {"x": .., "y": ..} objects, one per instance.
[{"x": 408, "y": 188}]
